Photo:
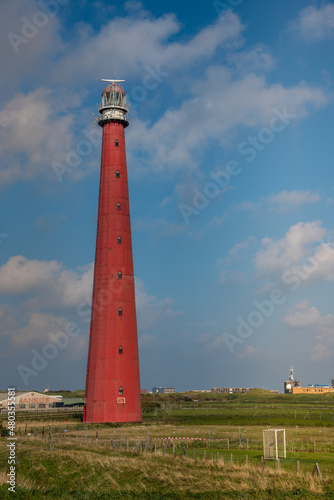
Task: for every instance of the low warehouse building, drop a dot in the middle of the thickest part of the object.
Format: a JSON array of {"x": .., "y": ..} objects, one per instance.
[{"x": 31, "y": 401}]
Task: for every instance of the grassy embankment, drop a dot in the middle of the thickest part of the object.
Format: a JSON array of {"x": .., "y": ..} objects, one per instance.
[{"x": 81, "y": 466}]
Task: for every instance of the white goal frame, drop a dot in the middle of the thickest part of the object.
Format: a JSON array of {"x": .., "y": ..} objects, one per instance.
[{"x": 272, "y": 449}]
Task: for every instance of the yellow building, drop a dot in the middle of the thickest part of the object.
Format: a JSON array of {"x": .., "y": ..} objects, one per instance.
[{"x": 311, "y": 390}]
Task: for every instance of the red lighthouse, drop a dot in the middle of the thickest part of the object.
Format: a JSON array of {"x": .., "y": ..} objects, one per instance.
[{"x": 112, "y": 383}]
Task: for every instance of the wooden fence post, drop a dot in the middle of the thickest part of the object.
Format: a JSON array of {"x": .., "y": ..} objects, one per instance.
[
  {"x": 297, "y": 467},
  {"x": 246, "y": 459},
  {"x": 278, "y": 464},
  {"x": 262, "y": 464},
  {"x": 204, "y": 458},
  {"x": 228, "y": 443},
  {"x": 217, "y": 457},
  {"x": 231, "y": 459},
  {"x": 316, "y": 471}
]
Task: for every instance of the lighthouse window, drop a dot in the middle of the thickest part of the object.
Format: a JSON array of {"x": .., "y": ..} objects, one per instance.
[
  {"x": 119, "y": 240},
  {"x": 119, "y": 275},
  {"x": 117, "y": 174},
  {"x": 120, "y": 349},
  {"x": 120, "y": 312},
  {"x": 120, "y": 391},
  {"x": 116, "y": 143},
  {"x": 118, "y": 206}
]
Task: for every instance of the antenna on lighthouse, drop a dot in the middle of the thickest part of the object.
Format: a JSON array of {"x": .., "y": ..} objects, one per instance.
[{"x": 113, "y": 81}]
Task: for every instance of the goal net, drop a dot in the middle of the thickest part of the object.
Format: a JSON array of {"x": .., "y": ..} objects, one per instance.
[{"x": 274, "y": 446}]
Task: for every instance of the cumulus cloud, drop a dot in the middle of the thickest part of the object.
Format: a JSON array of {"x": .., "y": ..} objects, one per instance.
[
  {"x": 177, "y": 139},
  {"x": 37, "y": 328},
  {"x": 146, "y": 41},
  {"x": 33, "y": 57},
  {"x": 308, "y": 319},
  {"x": 35, "y": 127},
  {"x": 45, "y": 296},
  {"x": 234, "y": 254},
  {"x": 239, "y": 93},
  {"x": 252, "y": 352},
  {"x": 304, "y": 316},
  {"x": 285, "y": 200},
  {"x": 315, "y": 23},
  {"x": 238, "y": 248},
  {"x": 48, "y": 281},
  {"x": 150, "y": 310},
  {"x": 51, "y": 286},
  {"x": 303, "y": 244}
]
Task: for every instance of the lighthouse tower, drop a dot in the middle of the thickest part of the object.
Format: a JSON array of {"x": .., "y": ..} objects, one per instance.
[{"x": 112, "y": 383}]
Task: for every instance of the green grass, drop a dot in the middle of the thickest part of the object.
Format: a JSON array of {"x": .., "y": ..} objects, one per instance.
[
  {"x": 75, "y": 470},
  {"x": 93, "y": 472}
]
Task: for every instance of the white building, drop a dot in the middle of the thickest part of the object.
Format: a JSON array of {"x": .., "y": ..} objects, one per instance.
[{"x": 30, "y": 401}]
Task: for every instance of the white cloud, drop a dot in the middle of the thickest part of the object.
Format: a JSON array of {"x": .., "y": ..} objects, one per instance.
[
  {"x": 51, "y": 284},
  {"x": 248, "y": 61},
  {"x": 309, "y": 319},
  {"x": 37, "y": 329},
  {"x": 35, "y": 128},
  {"x": 234, "y": 254},
  {"x": 43, "y": 290},
  {"x": 251, "y": 352},
  {"x": 150, "y": 310},
  {"x": 180, "y": 136},
  {"x": 238, "y": 248},
  {"x": 204, "y": 338},
  {"x": 299, "y": 243},
  {"x": 304, "y": 316},
  {"x": 145, "y": 42},
  {"x": 147, "y": 340},
  {"x": 35, "y": 57},
  {"x": 320, "y": 352},
  {"x": 285, "y": 200},
  {"x": 315, "y": 23},
  {"x": 239, "y": 95},
  {"x": 282, "y": 201}
]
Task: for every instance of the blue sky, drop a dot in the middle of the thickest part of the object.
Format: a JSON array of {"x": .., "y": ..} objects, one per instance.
[{"x": 230, "y": 165}]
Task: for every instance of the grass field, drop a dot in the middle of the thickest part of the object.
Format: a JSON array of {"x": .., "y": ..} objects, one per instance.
[{"x": 133, "y": 461}]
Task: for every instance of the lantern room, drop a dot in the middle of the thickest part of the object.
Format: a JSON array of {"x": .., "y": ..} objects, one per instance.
[{"x": 114, "y": 104}]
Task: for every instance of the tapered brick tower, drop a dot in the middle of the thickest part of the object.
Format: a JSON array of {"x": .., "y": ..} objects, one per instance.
[{"x": 112, "y": 383}]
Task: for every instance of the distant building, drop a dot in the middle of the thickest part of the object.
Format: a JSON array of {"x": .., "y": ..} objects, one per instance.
[
  {"x": 31, "y": 401},
  {"x": 232, "y": 390},
  {"x": 199, "y": 390},
  {"x": 291, "y": 383},
  {"x": 293, "y": 386},
  {"x": 312, "y": 389},
  {"x": 143, "y": 391},
  {"x": 163, "y": 390}
]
